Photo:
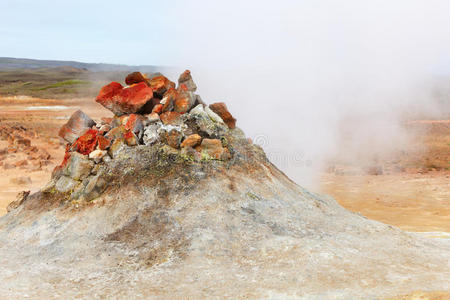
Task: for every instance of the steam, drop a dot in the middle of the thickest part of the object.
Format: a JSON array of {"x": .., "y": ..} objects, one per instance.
[{"x": 298, "y": 76}]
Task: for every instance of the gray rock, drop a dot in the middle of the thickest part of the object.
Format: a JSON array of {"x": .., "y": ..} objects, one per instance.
[
  {"x": 78, "y": 167},
  {"x": 151, "y": 134},
  {"x": 94, "y": 188},
  {"x": 65, "y": 184},
  {"x": 78, "y": 123}
]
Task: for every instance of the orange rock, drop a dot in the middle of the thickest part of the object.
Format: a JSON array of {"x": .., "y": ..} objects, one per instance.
[
  {"x": 103, "y": 142},
  {"x": 124, "y": 100},
  {"x": 78, "y": 123},
  {"x": 136, "y": 77},
  {"x": 169, "y": 98},
  {"x": 173, "y": 138},
  {"x": 134, "y": 123},
  {"x": 186, "y": 79},
  {"x": 86, "y": 143},
  {"x": 213, "y": 148},
  {"x": 191, "y": 141},
  {"x": 220, "y": 108},
  {"x": 160, "y": 84},
  {"x": 157, "y": 108},
  {"x": 130, "y": 138},
  {"x": 170, "y": 117}
]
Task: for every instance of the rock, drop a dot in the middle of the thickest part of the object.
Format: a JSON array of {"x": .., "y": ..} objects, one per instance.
[
  {"x": 116, "y": 147},
  {"x": 186, "y": 79},
  {"x": 23, "y": 180},
  {"x": 103, "y": 143},
  {"x": 190, "y": 153},
  {"x": 66, "y": 184},
  {"x": 184, "y": 101},
  {"x": 135, "y": 123},
  {"x": 170, "y": 117},
  {"x": 173, "y": 138},
  {"x": 151, "y": 134},
  {"x": 148, "y": 107},
  {"x": 153, "y": 118},
  {"x": 157, "y": 108},
  {"x": 94, "y": 188},
  {"x": 21, "y": 163},
  {"x": 168, "y": 100},
  {"x": 130, "y": 138},
  {"x": 220, "y": 108},
  {"x": 191, "y": 141},
  {"x": 86, "y": 143},
  {"x": 104, "y": 128},
  {"x": 97, "y": 155},
  {"x": 122, "y": 100},
  {"x": 160, "y": 84},
  {"x": 200, "y": 122},
  {"x": 78, "y": 166},
  {"x": 215, "y": 117},
  {"x": 20, "y": 198},
  {"x": 214, "y": 149},
  {"x": 136, "y": 77},
  {"x": 78, "y": 123},
  {"x": 116, "y": 133}
]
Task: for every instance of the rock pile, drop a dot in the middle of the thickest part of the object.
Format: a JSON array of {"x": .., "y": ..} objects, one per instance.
[{"x": 150, "y": 111}]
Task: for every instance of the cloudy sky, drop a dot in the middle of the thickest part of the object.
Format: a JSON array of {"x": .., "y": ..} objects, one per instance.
[{"x": 290, "y": 71}]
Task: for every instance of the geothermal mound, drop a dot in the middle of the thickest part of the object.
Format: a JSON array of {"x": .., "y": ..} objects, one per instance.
[{"x": 168, "y": 199}]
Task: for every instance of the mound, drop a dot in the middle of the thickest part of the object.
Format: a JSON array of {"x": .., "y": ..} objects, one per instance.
[{"x": 178, "y": 203}]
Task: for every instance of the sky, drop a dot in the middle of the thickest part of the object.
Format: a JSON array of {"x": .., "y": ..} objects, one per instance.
[{"x": 290, "y": 71}]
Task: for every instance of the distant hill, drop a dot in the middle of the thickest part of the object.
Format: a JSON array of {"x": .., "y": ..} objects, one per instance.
[
  {"x": 10, "y": 63},
  {"x": 59, "y": 79}
]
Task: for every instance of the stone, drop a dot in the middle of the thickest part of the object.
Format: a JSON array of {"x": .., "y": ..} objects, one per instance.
[
  {"x": 116, "y": 147},
  {"x": 116, "y": 133},
  {"x": 170, "y": 117},
  {"x": 168, "y": 100},
  {"x": 66, "y": 184},
  {"x": 151, "y": 134},
  {"x": 186, "y": 79},
  {"x": 20, "y": 198},
  {"x": 22, "y": 180},
  {"x": 157, "y": 108},
  {"x": 94, "y": 187},
  {"x": 184, "y": 101},
  {"x": 190, "y": 153},
  {"x": 122, "y": 100},
  {"x": 134, "y": 123},
  {"x": 130, "y": 138},
  {"x": 97, "y": 155},
  {"x": 220, "y": 108},
  {"x": 148, "y": 107},
  {"x": 213, "y": 148},
  {"x": 78, "y": 123},
  {"x": 215, "y": 117},
  {"x": 191, "y": 141},
  {"x": 200, "y": 122},
  {"x": 136, "y": 77},
  {"x": 86, "y": 143},
  {"x": 173, "y": 138},
  {"x": 160, "y": 84},
  {"x": 104, "y": 128},
  {"x": 78, "y": 166},
  {"x": 153, "y": 118},
  {"x": 103, "y": 143}
]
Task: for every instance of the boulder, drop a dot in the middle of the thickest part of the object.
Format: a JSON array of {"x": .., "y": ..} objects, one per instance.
[
  {"x": 191, "y": 141},
  {"x": 168, "y": 100},
  {"x": 122, "y": 100},
  {"x": 86, "y": 143},
  {"x": 78, "y": 166},
  {"x": 186, "y": 79},
  {"x": 184, "y": 101},
  {"x": 170, "y": 117},
  {"x": 220, "y": 108},
  {"x": 160, "y": 84},
  {"x": 136, "y": 77},
  {"x": 78, "y": 123}
]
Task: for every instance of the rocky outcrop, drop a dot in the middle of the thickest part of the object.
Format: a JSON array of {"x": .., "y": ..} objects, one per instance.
[{"x": 183, "y": 206}]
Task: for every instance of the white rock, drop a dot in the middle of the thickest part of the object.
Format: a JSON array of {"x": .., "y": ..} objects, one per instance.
[
  {"x": 97, "y": 155},
  {"x": 215, "y": 117}
]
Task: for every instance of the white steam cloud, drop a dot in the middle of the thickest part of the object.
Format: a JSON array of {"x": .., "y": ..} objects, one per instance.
[{"x": 292, "y": 71}]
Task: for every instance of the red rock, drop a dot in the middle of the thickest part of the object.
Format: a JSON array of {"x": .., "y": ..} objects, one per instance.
[
  {"x": 157, "y": 108},
  {"x": 136, "y": 77},
  {"x": 86, "y": 143},
  {"x": 134, "y": 123},
  {"x": 191, "y": 141},
  {"x": 78, "y": 123},
  {"x": 160, "y": 84},
  {"x": 169, "y": 100},
  {"x": 186, "y": 79},
  {"x": 170, "y": 117},
  {"x": 124, "y": 100},
  {"x": 103, "y": 142},
  {"x": 220, "y": 108},
  {"x": 130, "y": 138}
]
